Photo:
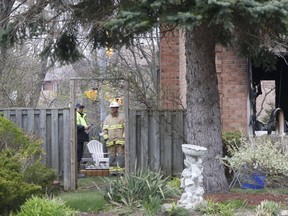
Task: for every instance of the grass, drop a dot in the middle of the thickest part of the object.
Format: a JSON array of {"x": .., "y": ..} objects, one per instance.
[
  {"x": 93, "y": 183},
  {"x": 89, "y": 195},
  {"x": 265, "y": 190},
  {"x": 87, "y": 201}
]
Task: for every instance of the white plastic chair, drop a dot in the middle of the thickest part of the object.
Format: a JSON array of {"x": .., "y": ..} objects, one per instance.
[{"x": 96, "y": 150}]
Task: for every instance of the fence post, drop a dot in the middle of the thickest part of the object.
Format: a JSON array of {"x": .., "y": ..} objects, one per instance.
[{"x": 73, "y": 136}]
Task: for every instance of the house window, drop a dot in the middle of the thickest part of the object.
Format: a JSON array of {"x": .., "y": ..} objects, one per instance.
[{"x": 265, "y": 102}]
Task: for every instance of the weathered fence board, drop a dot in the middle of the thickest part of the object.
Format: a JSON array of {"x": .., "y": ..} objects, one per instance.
[
  {"x": 53, "y": 127},
  {"x": 154, "y": 137},
  {"x": 155, "y": 140},
  {"x": 132, "y": 159}
]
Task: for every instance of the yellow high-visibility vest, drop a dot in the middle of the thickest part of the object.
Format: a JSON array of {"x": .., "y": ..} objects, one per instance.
[{"x": 80, "y": 120}]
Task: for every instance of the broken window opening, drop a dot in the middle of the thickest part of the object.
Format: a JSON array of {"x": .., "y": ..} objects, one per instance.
[{"x": 269, "y": 92}]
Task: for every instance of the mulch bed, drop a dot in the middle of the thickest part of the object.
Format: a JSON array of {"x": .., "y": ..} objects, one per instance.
[{"x": 251, "y": 198}]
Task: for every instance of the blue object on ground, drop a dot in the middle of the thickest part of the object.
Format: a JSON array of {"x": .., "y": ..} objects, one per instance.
[{"x": 258, "y": 182}]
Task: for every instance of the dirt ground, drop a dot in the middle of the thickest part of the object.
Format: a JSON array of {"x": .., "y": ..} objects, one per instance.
[{"x": 252, "y": 198}]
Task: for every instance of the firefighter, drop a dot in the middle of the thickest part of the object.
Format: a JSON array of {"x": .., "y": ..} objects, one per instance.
[{"x": 113, "y": 134}]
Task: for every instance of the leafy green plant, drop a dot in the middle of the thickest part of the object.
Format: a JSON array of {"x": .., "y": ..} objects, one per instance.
[
  {"x": 174, "y": 182},
  {"x": 21, "y": 173},
  {"x": 41, "y": 175},
  {"x": 263, "y": 154},
  {"x": 231, "y": 140},
  {"x": 267, "y": 207},
  {"x": 215, "y": 208},
  {"x": 139, "y": 188},
  {"x": 13, "y": 189},
  {"x": 10, "y": 135},
  {"x": 237, "y": 203},
  {"x": 45, "y": 206},
  {"x": 178, "y": 211},
  {"x": 152, "y": 205}
]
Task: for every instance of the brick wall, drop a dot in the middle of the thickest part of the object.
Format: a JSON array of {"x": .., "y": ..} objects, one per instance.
[
  {"x": 232, "y": 73},
  {"x": 169, "y": 71},
  {"x": 232, "y": 80}
]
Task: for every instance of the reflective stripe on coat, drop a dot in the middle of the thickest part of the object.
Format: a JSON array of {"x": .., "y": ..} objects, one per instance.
[{"x": 113, "y": 129}]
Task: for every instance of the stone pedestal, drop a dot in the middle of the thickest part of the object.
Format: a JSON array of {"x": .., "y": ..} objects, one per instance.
[{"x": 192, "y": 179}]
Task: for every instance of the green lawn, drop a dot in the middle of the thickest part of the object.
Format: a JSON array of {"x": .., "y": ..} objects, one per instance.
[{"x": 89, "y": 195}]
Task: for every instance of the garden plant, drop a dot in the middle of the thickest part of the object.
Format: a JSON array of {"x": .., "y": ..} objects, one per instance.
[
  {"x": 21, "y": 173},
  {"x": 267, "y": 155}
]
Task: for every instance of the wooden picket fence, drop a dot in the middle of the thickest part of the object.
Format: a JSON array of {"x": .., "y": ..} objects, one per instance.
[
  {"x": 154, "y": 138},
  {"x": 53, "y": 127}
]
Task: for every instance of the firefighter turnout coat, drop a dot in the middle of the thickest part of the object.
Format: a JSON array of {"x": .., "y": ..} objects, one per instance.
[{"x": 113, "y": 129}]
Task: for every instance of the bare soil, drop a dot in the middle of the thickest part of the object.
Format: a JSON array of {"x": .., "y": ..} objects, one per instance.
[{"x": 251, "y": 198}]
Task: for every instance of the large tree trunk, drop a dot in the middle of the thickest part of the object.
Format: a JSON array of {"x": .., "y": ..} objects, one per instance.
[{"x": 203, "y": 106}]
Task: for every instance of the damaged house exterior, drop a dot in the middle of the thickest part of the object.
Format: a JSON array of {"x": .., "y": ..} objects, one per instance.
[{"x": 239, "y": 84}]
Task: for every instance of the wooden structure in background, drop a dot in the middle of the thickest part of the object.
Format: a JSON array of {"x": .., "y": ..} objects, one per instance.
[
  {"x": 153, "y": 139},
  {"x": 53, "y": 127}
]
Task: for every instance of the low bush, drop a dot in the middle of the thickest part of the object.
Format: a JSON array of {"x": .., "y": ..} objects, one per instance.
[
  {"x": 11, "y": 136},
  {"x": 266, "y": 155},
  {"x": 261, "y": 154},
  {"x": 140, "y": 189},
  {"x": 41, "y": 175},
  {"x": 216, "y": 208},
  {"x": 13, "y": 189},
  {"x": 176, "y": 210},
  {"x": 231, "y": 140},
  {"x": 45, "y": 206},
  {"x": 267, "y": 208},
  {"x": 21, "y": 171}
]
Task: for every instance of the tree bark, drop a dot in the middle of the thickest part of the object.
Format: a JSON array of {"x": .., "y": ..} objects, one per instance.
[{"x": 203, "y": 104}]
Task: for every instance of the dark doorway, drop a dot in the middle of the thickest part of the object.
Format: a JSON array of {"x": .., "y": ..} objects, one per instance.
[{"x": 279, "y": 76}]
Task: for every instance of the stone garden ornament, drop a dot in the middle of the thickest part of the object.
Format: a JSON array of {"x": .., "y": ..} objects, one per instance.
[{"x": 192, "y": 178}]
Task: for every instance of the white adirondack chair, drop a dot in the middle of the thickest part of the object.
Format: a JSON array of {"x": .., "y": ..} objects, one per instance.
[{"x": 96, "y": 150}]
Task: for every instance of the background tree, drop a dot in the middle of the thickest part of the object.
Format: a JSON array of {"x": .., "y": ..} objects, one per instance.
[
  {"x": 37, "y": 30},
  {"x": 252, "y": 26},
  {"x": 139, "y": 64}
]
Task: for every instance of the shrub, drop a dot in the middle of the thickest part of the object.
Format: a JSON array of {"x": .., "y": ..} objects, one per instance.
[
  {"x": 11, "y": 136},
  {"x": 216, "y": 208},
  {"x": 264, "y": 155},
  {"x": 45, "y": 206},
  {"x": 267, "y": 208},
  {"x": 21, "y": 173},
  {"x": 174, "y": 182},
  {"x": 178, "y": 211},
  {"x": 231, "y": 140},
  {"x": 13, "y": 190},
  {"x": 139, "y": 189},
  {"x": 27, "y": 147},
  {"x": 41, "y": 175}
]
